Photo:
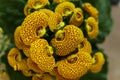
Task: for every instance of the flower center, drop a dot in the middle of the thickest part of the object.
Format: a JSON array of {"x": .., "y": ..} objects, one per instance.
[
  {"x": 17, "y": 57},
  {"x": 41, "y": 31},
  {"x": 80, "y": 46},
  {"x": 78, "y": 15},
  {"x": 60, "y": 35},
  {"x": 38, "y": 5},
  {"x": 61, "y": 24},
  {"x": 67, "y": 12},
  {"x": 89, "y": 27},
  {"x": 49, "y": 50},
  {"x": 95, "y": 59},
  {"x": 72, "y": 59}
]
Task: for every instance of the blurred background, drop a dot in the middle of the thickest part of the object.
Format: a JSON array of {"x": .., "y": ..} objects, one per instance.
[{"x": 111, "y": 45}]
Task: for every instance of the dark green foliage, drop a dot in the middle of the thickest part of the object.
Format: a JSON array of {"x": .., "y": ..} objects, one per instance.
[
  {"x": 105, "y": 20},
  {"x": 11, "y": 15}
]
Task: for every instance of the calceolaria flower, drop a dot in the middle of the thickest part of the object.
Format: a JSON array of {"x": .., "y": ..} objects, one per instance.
[
  {"x": 85, "y": 46},
  {"x": 55, "y": 22},
  {"x": 21, "y": 65},
  {"x": 33, "y": 66},
  {"x": 67, "y": 40},
  {"x": 26, "y": 51},
  {"x": 77, "y": 17},
  {"x": 58, "y": 76},
  {"x": 47, "y": 12},
  {"x": 75, "y": 65},
  {"x": 42, "y": 77},
  {"x": 36, "y": 4},
  {"x": 27, "y": 10},
  {"x": 17, "y": 38},
  {"x": 33, "y": 27},
  {"x": 65, "y": 8},
  {"x": 91, "y": 10},
  {"x": 59, "y": 1},
  {"x": 27, "y": 73},
  {"x": 55, "y": 41},
  {"x": 41, "y": 54},
  {"x": 92, "y": 27},
  {"x": 14, "y": 57},
  {"x": 99, "y": 61}
]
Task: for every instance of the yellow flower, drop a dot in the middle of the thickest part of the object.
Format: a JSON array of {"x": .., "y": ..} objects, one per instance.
[
  {"x": 27, "y": 73},
  {"x": 47, "y": 12},
  {"x": 15, "y": 60},
  {"x": 98, "y": 62},
  {"x": 58, "y": 76},
  {"x": 27, "y": 10},
  {"x": 77, "y": 17},
  {"x": 26, "y": 51},
  {"x": 55, "y": 22},
  {"x": 21, "y": 65},
  {"x": 36, "y": 77},
  {"x": 85, "y": 46},
  {"x": 67, "y": 40},
  {"x": 17, "y": 38},
  {"x": 36, "y": 4},
  {"x": 91, "y": 10},
  {"x": 14, "y": 57},
  {"x": 47, "y": 77},
  {"x": 65, "y": 8},
  {"x": 19, "y": 43},
  {"x": 42, "y": 77},
  {"x": 75, "y": 66},
  {"x": 33, "y": 66},
  {"x": 59, "y": 1},
  {"x": 41, "y": 54},
  {"x": 92, "y": 27},
  {"x": 33, "y": 27}
]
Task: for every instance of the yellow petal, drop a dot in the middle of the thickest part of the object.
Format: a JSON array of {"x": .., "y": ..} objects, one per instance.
[
  {"x": 92, "y": 27},
  {"x": 98, "y": 62}
]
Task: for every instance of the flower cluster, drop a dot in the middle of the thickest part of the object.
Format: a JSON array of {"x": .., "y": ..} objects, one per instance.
[{"x": 54, "y": 43}]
